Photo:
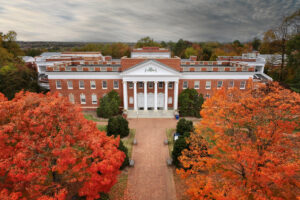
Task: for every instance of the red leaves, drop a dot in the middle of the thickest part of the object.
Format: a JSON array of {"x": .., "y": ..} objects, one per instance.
[
  {"x": 47, "y": 148},
  {"x": 252, "y": 140}
]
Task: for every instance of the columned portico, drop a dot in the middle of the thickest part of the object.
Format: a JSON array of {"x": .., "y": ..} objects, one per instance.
[
  {"x": 154, "y": 75},
  {"x": 145, "y": 95},
  {"x": 166, "y": 95},
  {"x": 176, "y": 95},
  {"x": 155, "y": 95},
  {"x": 134, "y": 96}
]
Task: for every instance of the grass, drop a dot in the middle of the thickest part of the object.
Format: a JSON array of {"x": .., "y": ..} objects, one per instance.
[
  {"x": 170, "y": 133},
  {"x": 91, "y": 117},
  {"x": 117, "y": 191},
  {"x": 101, "y": 127},
  {"x": 127, "y": 141}
]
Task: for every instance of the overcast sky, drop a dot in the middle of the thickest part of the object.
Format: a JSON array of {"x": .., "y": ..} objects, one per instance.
[{"x": 130, "y": 20}]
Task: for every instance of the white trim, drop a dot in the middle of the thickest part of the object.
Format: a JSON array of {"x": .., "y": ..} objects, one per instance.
[{"x": 223, "y": 76}]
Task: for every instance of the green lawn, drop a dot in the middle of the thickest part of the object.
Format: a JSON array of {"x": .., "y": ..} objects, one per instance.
[
  {"x": 127, "y": 141},
  {"x": 170, "y": 133},
  {"x": 101, "y": 127},
  {"x": 91, "y": 117}
]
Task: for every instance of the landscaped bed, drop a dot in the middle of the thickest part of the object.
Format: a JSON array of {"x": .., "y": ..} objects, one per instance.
[{"x": 180, "y": 186}]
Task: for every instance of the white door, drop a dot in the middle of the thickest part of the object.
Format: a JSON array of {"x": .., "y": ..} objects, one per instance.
[
  {"x": 150, "y": 100},
  {"x": 140, "y": 100},
  {"x": 160, "y": 100}
]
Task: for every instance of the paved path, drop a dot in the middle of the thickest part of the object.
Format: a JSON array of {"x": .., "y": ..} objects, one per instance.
[{"x": 151, "y": 179}]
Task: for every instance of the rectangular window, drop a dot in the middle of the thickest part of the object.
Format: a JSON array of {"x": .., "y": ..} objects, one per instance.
[
  {"x": 185, "y": 85},
  {"x": 116, "y": 84},
  {"x": 79, "y": 69},
  {"x": 243, "y": 85},
  {"x": 160, "y": 85},
  {"x": 130, "y": 85},
  {"x": 131, "y": 100},
  {"x": 170, "y": 85},
  {"x": 58, "y": 84},
  {"x": 81, "y": 84},
  {"x": 91, "y": 69},
  {"x": 82, "y": 99},
  {"x": 68, "y": 69},
  {"x": 220, "y": 83},
  {"x": 71, "y": 98},
  {"x": 103, "y": 69},
  {"x": 170, "y": 100},
  {"x": 104, "y": 84},
  {"x": 231, "y": 84},
  {"x": 70, "y": 85},
  {"x": 93, "y": 85},
  {"x": 150, "y": 85},
  {"x": 197, "y": 84},
  {"x": 207, "y": 95},
  {"x": 94, "y": 99},
  {"x": 208, "y": 85},
  {"x": 141, "y": 85},
  {"x": 115, "y": 69}
]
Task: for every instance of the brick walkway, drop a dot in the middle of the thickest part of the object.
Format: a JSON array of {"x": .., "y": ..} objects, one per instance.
[{"x": 151, "y": 179}]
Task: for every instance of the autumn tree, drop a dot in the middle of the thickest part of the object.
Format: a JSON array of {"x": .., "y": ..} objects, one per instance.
[
  {"x": 48, "y": 150},
  {"x": 252, "y": 140}
]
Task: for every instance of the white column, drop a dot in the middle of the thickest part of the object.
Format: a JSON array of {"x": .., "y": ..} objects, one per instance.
[
  {"x": 125, "y": 98},
  {"x": 145, "y": 95},
  {"x": 166, "y": 95},
  {"x": 135, "y": 96},
  {"x": 175, "y": 95},
  {"x": 155, "y": 95}
]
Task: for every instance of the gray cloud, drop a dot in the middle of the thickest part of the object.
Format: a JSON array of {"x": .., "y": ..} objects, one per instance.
[{"x": 128, "y": 21}]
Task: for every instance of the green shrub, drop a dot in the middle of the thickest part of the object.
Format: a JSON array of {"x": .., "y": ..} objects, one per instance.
[
  {"x": 183, "y": 126},
  {"x": 179, "y": 145},
  {"x": 190, "y": 103},
  {"x": 109, "y": 105},
  {"x": 123, "y": 148},
  {"x": 117, "y": 126}
]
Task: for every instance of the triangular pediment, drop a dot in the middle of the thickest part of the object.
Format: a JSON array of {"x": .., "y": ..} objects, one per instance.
[{"x": 150, "y": 68}]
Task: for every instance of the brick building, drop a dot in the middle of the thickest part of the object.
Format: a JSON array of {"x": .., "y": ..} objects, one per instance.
[{"x": 149, "y": 80}]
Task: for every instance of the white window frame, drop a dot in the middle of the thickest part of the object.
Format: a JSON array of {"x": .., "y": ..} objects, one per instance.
[
  {"x": 105, "y": 84},
  {"x": 67, "y": 69},
  {"x": 219, "y": 87},
  {"x": 207, "y": 96},
  {"x": 170, "y": 100},
  {"x": 91, "y": 69},
  {"x": 185, "y": 85},
  {"x": 71, "y": 98},
  {"x": 141, "y": 85},
  {"x": 244, "y": 85},
  {"x": 160, "y": 85},
  {"x": 130, "y": 100},
  {"x": 229, "y": 85},
  {"x": 150, "y": 85},
  {"x": 116, "y": 82},
  {"x": 58, "y": 84},
  {"x": 197, "y": 86},
  {"x": 79, "y": 68},
  {"x": 170, "y": 85},
  {"x": 81, "y": 81},
  {"x": 103, "y": 69},
  {"x": 93, "y": 85},
  {"x": 208, "y": 85},
  {"x": 70, "y": 85},
  {"x": 82, "y": 97},
  {"x": 130, "y": 85},
  {"x": 115, "y": 69},
  {"x": 94, "y": 99}
]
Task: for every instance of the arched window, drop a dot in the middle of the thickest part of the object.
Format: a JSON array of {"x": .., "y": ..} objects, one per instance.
[
  {"x": 82, "y": 99},
  {"x": 71, "y": 98}
]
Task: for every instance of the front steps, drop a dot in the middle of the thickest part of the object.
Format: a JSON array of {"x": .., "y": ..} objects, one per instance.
[{"x": 150, "y": 114}]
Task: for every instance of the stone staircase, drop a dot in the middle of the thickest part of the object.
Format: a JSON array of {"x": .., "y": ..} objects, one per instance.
[{"x": 150, "y": 114}]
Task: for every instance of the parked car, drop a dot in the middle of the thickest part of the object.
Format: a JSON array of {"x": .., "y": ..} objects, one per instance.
[{"x": 176, "y": 136}]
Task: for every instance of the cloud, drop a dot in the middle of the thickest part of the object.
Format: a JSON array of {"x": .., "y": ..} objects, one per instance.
[{"x": 128, "y": 21}]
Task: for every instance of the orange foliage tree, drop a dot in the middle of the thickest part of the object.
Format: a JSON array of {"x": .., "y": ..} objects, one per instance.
[
  {"x": 251, "y": 140},
  {"x": 49, "y": 151}
]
